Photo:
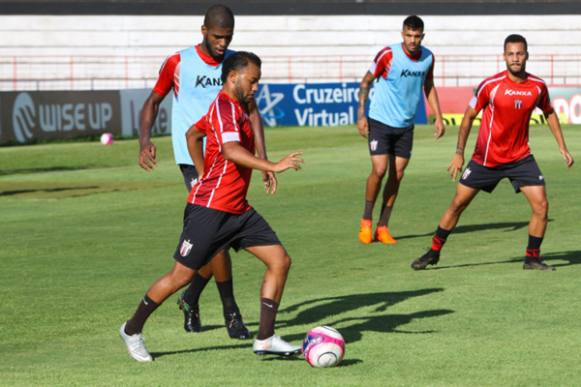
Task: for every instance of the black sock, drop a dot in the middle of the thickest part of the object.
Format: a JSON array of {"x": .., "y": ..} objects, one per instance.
[
  {"x": 146, "y": 307},
  {"x": 384, "y": 217},
  {"x": 439, "y": 239},
  {"x": 226, "y": 290},
  {"x": 368, "y": 210},
  {"x": 268, "y": 309},
  {"x": 534, "y": 247},
  {"x": 192, "y": 294}
]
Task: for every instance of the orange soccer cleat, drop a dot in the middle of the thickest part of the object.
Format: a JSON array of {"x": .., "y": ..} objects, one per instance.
[
  {"x": 383, "y": 235},
  {"x": 365, "y": 232}
]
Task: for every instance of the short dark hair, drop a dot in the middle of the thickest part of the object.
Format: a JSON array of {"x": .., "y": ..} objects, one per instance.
[
  {"x": 219, "y": 15},
  {"x": 413, "y": 22},
  {"x": 516, "y": 38},
  {"x": 237, "y": 61}
]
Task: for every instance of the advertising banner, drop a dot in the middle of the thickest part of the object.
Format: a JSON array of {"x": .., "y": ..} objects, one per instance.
[
  {"x": 27, "y": 117},
  {"x": 314, "y": 104},
  {"x": 131, "y": 103}
]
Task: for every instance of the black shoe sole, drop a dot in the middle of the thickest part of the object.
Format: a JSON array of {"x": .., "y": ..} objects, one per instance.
[{"x": 286, "y": 354}]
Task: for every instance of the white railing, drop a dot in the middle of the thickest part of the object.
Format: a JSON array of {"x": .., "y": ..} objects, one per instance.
[{"x": 85, "y": 72}]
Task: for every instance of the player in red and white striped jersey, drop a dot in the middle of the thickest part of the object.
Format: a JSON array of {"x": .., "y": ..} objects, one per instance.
[
  {"x": 218, "y": 216},
  {"x": 507, "y": 99}
]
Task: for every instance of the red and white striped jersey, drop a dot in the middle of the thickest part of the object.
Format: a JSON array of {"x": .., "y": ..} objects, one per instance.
[
  {"x": 503, "y": 137},
  {"x": 224, "y": 184}
]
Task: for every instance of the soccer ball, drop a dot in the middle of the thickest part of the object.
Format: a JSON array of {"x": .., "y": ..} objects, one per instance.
[
  {"x": 323, "y": 347},
  {"x": 107, "y": 138}
]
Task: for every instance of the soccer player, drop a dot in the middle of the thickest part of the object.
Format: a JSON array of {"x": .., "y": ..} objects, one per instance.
[
  {"x": 401, "y": 72},
  {"x": 194, "y": 76},
  {"x": 218, "y": 215},
  {"x": 508, "y": 100}
]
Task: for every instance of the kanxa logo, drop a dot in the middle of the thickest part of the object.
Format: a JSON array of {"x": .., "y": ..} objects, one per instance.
[
  {"x": 408, "y": 73},
  {"x": 522, "y": 93},
  {"x": 31, "y": 119},
  {"x": 205, "y": 81},
  {"x": 23, "y": 117}
]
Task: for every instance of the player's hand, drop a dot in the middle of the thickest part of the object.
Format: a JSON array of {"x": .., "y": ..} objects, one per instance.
[
  {"x": 363, "y": 126},
  {"x": 568, "y": 158},
  {"x": 440, "y": 129},
  {"x": 270, "y": 182},
  {"x": 455, "y": 166},
  {"x": 147, "y": 156},
  {"x": 293, "y": 160}
]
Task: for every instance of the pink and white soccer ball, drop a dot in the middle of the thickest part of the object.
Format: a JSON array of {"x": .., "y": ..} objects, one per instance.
[
  {"x": 107, "y": 138},
  {"x": 323, "y": 347}
]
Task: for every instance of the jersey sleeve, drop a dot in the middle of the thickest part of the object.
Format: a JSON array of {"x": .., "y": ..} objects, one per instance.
[
  {"x": 228, "y": 116},
  {"x": 167, "y": 76},
  {"x": 481, "y": 97},
  {"x": 382, "y": 63},
  {"x": 203, "y": 125},
  {"x": 544, "y": 102}
]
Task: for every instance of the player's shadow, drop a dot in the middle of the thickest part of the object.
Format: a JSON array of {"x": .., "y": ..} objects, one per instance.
[
  {"x": 572, "y": 257},
  {"x": 23, "y": 171},
  {"x": 326, "y": 310},
  {"x": 45, "y": 190},
  {"x": 507, "y": 226}
]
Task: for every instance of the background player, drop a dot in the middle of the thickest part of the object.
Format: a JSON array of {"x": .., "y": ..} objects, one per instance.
[
  {"x": 502, "y": 150},
  {"x": 217, "y": 213},
  {"x": 194, "y": 76},
  {"x": 402, "y": 70}
]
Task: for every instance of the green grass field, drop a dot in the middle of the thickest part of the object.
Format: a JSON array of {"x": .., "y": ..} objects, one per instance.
[{"x": 84, "y": 232}]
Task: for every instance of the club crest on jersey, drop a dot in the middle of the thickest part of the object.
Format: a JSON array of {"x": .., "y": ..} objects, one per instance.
[
  {"x": 517, "y": 103},
  {"x": 186, "y": 247},
  {"x": 466, "y": 173},
  {"x": 205, "y": 81},
  {"x": 373, "y": 145}
]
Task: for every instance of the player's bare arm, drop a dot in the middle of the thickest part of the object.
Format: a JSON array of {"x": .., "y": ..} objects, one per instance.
[
  {"x": 463, "y": 132},
  {"x": 147, "y": 149},
  {"x": 555, "y": 126},
  {"x": 233, "y": 151},
  {"x": 195, "y": 140},
  {"x": 364, "y": 87},
  {"x": 432, "y": 96},
  {"x": 268, "y": 178}
]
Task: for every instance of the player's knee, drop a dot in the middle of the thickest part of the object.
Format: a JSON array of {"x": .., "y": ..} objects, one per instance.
[
  {"x": 378, "y": 171},
  {"x": 541, "y": 208},
  {"x": 285, "y": 263},
  {"x": 457, "y": 206},
  {"x": 180, "y": 278},
  {"x": 399, "y": 175}
]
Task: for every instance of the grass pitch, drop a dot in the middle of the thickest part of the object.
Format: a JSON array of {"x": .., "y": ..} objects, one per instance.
[{"x": 84, "y": 232}]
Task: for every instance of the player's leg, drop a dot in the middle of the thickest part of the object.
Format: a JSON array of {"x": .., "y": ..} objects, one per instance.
[
  {"x": 396, "y": 168},
  {"x": 449, "y": 220},
  {"x": 378, "y": 150},
  {"x": 130, "y": 331},
  {"x": 537, "y": 198},
  {"x": 277, "y": 263}
]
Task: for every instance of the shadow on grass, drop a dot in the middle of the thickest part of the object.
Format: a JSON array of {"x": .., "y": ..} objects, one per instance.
[
  {"x": 46, "y": 190},
  {"x": 326, "y": 310},
  {"x": 572, "y": 257},
  {"x": 508, "y": 226},
  {"x": 23, "y": 171}
]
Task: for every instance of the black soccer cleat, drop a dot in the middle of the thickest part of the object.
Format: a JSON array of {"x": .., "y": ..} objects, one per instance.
[
  {"x": 192, "y": 321},
  {"x": 431, "y": 257},
  {"x": 536, "y": 264},
  {"x": 235, "y": 326}
]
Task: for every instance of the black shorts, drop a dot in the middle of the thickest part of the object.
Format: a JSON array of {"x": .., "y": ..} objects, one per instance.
[
  {"x": 521, "y": 173},
  {"x": 207, "y": 231},
  {"x": 384, "y": 139},
  {"x": 190, "y": 175}
]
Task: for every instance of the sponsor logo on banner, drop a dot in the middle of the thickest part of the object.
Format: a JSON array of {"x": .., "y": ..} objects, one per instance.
[
  {"x": 267, "y": 102},
  {"x": 59, "y": 115},
  {"x": 131, "y": 104}
]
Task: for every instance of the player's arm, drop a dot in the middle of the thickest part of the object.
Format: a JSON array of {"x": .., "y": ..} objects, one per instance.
[
  {"x": 463, "y": 132},
  {"x": 434, "y": 102},
  {"x": 364, "y": 87},
  {"x": 268, "y": 178},
  {"x": 555, "y": 126},
  {"x": 233, "y": 151},
  {"x": 147, "y": 150},
  {"x": 195, "y": 141}
]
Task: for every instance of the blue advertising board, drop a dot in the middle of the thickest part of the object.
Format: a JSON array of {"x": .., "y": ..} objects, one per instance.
[{"x": 314, "y": 104}]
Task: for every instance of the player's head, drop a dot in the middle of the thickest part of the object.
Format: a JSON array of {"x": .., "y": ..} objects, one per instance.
[
  {"x": 240, "y": 75},
  {"x": 217, "y": 30},
  {"x": 515, "y": 53},
  {"x": 412, "y": 33}
]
